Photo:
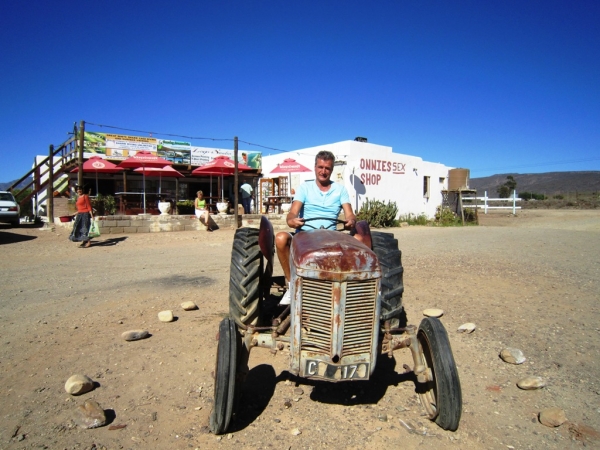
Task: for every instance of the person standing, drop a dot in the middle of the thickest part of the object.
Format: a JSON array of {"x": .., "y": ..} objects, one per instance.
[
  {"x": 83, "y": 220},
  {"x": 201, "y": 209},
  {"x": 246, "y": 191}
]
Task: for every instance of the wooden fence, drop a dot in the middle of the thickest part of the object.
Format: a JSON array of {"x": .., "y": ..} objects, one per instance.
[{"x": 486, "y": 200}]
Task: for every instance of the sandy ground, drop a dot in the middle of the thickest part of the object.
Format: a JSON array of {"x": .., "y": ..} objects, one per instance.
[{"x": 530, "y": 282}]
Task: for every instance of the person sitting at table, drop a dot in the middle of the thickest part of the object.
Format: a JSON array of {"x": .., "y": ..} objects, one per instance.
[{"x": 201, "y": 209}]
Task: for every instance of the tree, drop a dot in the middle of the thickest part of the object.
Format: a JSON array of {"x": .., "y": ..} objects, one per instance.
[{"x": 505, "y": 190}]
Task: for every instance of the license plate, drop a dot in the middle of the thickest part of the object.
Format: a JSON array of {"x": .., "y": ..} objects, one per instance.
[{"x": 358, "y": 371}]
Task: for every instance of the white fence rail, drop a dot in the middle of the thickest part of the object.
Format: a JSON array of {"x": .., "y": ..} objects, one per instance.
[{"x": 485, "y": 199}]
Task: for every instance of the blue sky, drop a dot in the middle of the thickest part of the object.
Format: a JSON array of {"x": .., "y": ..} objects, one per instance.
[{"x": 497, "y": 87}]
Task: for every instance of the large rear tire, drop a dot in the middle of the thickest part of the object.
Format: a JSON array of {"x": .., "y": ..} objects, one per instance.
[
  {"x": 225, "y": 376},
  {"x": 441, "y": 396},
  {"x": 247, "y": 278},
  {"x": 385, "y": 247}
]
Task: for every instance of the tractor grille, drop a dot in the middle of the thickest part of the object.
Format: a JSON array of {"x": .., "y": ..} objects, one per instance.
[
  {"x": 317, "y": 316},
  {"x": 360, "y": 315}
]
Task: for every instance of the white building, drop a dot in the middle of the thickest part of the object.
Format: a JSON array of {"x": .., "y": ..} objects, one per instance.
[{"x": 373, "y": 171}]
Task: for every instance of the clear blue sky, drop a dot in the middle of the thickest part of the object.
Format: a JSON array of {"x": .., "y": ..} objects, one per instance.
[{"x": 497, "y": 87}]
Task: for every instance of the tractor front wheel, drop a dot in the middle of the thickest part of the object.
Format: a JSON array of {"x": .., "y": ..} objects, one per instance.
[
  {"x": 229, "y": 342},
  {"x": 441, "y": 395}
]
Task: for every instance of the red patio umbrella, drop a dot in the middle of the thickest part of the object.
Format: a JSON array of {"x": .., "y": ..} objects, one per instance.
[
  {"x": 98, "y": 164},
  {"x": 167, "y": 171},
  {"x": 220, "y": 165},
  {"x": 290, "y": 165},
  {"x": 144, "y": 159}
]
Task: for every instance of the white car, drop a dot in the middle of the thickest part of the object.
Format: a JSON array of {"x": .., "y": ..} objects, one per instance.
[{"x": 9, "y": 209}]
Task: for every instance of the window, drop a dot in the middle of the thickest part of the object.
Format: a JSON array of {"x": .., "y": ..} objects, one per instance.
[{"x": 426, "y": 187}]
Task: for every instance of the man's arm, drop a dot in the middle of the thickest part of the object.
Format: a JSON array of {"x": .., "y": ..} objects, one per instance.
[
  {"x": 292, "y": 217},
  {"x": 350, "y": 217}
]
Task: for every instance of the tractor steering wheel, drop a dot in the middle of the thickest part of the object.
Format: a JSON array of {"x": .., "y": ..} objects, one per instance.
[{"x": 336, "y": 221}]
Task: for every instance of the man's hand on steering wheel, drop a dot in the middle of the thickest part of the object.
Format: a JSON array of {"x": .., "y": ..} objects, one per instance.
[
  {"x": 296, "y": 222},
  {"x": 350, "y": 224}
]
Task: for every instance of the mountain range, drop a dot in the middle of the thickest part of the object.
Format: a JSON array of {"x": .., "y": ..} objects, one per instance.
[{"x": 548, "y": 183}]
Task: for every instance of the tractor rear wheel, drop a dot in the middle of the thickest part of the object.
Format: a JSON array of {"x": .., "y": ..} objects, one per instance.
[
  {"x": 249, "y": 282},
  {"x": 385, "y": 247}
]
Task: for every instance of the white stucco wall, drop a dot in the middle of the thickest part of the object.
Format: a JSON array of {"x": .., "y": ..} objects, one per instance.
[{"x": 373, "y": 171}]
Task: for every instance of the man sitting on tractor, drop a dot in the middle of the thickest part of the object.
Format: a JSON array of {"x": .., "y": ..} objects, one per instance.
[{"x": 320, "y": 198}]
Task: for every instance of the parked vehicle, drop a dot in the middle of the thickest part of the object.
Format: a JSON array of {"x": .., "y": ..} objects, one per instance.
[
  {"x": 9, "y": 209},
  {"x": 346, "y": 309}
]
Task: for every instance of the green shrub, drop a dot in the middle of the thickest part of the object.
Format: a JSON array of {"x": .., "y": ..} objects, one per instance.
[
  {"x": 378, "y": 214},
  {"x": 559, "y": 197},
  {"x": 531, "y": 195},
  {"x": 26, "y": 208},
  {"x": 185, "y": 207},
  {"x": 104, "y": 205},
  {"x": 445, "y": 217},
  {"x": 411, "y": 219}
]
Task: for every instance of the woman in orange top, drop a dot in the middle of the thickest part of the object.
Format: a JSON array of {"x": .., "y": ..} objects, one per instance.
[{"x": 81, "y": 227}]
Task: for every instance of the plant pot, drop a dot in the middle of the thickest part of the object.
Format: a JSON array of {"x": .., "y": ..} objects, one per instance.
[
  {"x": 164, "y": 208},
  {"x": 222, "y": 208}
]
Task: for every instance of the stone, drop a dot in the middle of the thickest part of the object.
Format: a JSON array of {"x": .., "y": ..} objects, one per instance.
[
  {"x": 433, "y": 312},
  {"x": 134, "y": 335},
  {"x": 166, "y": 316},
  {"x": 296, "y": 432},
  {"x": 79, "y": 384},
  {"x": 531, "y": 383},
  {"x": 552, "y": 417},
  {"x": 466, "y": 328},
  {"x": 90, "y": 415},
  {"x": 512, "y": 356},
  {"x": 189, "y": 306},
  {"x": 298, "y": 391}
]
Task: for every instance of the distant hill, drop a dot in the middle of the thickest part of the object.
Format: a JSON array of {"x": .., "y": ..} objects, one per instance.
[
  {"x": 5, "y": 186},
  {"x": 549, "y": 183}
]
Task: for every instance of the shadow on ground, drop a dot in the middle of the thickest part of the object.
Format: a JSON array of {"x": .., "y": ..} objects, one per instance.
[{"x": 260, "y": 383}]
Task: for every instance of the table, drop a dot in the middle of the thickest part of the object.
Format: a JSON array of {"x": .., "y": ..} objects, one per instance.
[
  {"x": 274, "y": 202},
  {"x": 132, "y": 203}
]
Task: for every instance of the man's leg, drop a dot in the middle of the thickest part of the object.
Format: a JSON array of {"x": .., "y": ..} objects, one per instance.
[{"x": 283, "y": 239}]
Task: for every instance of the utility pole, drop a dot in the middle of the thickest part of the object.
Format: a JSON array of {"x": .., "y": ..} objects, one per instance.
[{"x": 235, "y": 179}]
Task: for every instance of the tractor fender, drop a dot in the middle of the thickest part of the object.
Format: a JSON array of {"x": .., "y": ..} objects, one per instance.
[{"x": 266, "y": 240}]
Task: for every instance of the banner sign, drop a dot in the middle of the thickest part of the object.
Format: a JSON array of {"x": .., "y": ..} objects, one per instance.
[{"x": 119, "y": 147}]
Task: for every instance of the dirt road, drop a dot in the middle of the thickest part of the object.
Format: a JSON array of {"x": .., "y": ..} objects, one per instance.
[{"x": 530, "y": 282}]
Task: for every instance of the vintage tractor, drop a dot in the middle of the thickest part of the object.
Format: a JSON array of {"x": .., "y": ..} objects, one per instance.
[{"x": 346, "y": 308}]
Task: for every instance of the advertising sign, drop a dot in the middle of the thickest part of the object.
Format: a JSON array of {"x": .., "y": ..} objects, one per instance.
[{"x": 119, "y": 147}]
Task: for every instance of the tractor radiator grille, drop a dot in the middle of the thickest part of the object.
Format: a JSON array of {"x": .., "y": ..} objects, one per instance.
[
  {"x": 358, "y": 312},
  {"x": 316, "y": 315},
  {"x": 361, "y": 297}
]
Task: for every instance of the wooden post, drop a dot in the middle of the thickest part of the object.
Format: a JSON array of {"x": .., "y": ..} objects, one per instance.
[
  {"x": 50, "y": 187},
  {"x": 176, "y": 195},
  {"x": 80, "y": 154},
  {"x": 462, "y": 211},
  {"x": 235, "y": 180}
]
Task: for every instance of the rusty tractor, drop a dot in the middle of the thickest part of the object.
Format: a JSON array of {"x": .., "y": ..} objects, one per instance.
[{"x": 346, "y": 309}]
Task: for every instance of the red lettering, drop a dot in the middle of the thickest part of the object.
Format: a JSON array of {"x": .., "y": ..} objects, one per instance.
[{"x": 362, "y": 163}]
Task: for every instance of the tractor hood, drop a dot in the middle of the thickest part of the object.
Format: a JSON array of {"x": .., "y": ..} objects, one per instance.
[{"x": 332, "y": 255}]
